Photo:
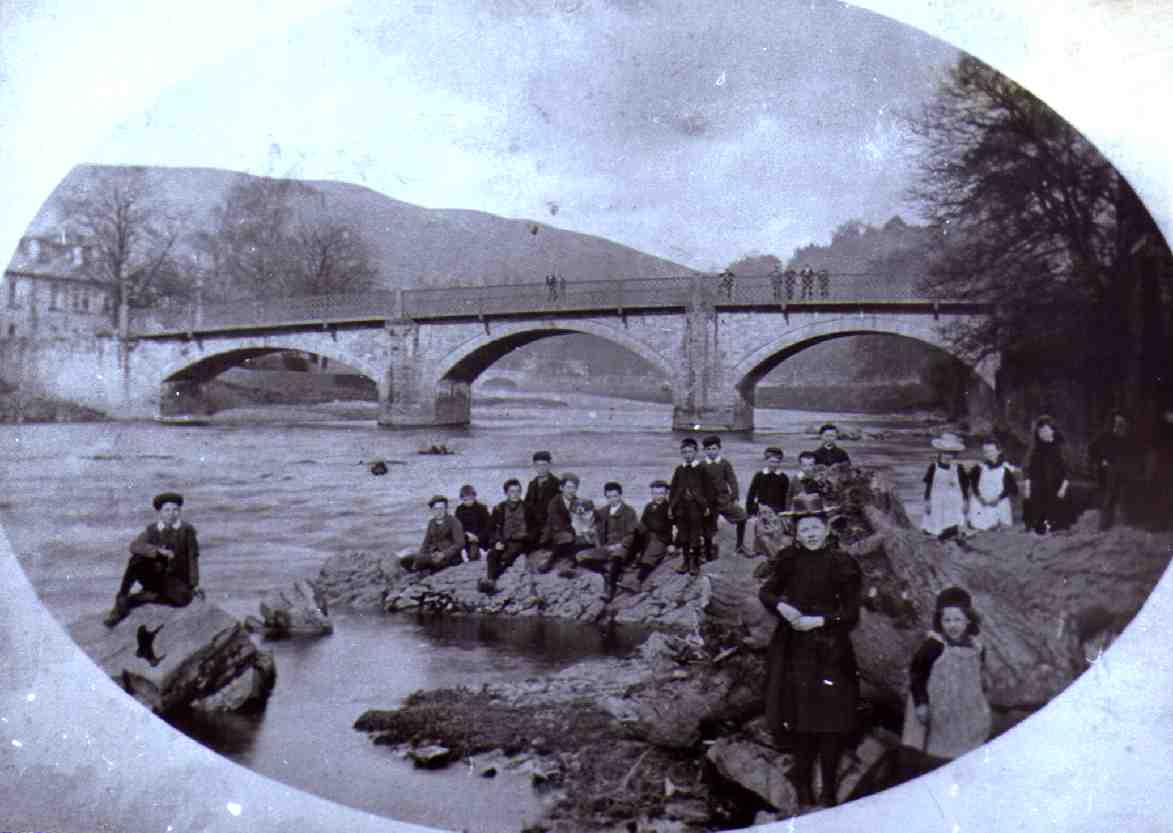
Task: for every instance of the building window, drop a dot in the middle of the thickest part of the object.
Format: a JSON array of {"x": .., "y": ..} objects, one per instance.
[
  {"x": 12, "y": 331},
  {"x": 85, "y": 302},
  {"x": 55, "y": 298},
  {"x": 12, "y": 300}
]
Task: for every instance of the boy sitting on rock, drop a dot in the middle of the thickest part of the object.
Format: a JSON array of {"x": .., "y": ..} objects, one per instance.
[
  {"x": 164, "y": 561},
  {"x": 615, "y": 527},
  {"x": 559, "y": 534},
  {"x": 655, "y": 540},
  {"x": 511, "y": 532},
  {"x": 443, "y": 540}
]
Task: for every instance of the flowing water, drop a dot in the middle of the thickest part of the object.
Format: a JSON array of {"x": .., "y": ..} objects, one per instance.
[{"x": 274, "y": 492}]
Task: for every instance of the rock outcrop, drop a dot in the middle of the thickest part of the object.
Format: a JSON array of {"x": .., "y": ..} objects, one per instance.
[
  {"x": 295, "y": 611},
  {"x": 198, "y": 656}
]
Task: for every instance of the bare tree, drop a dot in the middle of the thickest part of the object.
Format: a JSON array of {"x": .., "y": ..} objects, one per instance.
[
  {"x": 275, "y": 238},
  {"x": 131, "y": 233}
]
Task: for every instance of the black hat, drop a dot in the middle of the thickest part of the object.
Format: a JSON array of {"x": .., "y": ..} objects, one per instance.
[
  {"x": 712, "y": 439},
  {"x": 569, "y": 477},
  {"x": 467, "y": 489},
  {"x": 688, "y": 441},
  {"x": 659, "y": 484},
  {"x": 808, "y": 505},
  {"x": 612, "y": 486},
  {"x": 542, "y": 455},
  {"x": 513, "y": 481},
  {"x": 954, "y": 597},
  {"x": 773, "y": 451},
  {"x": 827, "y": 426},
  {"x": 167, "y": 497},
  {"x": 437, "y": 499}
]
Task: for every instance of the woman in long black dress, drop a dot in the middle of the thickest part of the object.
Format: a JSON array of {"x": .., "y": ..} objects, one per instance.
[
  {"x": 1044, "y": 487},
  {"x": 812, "y": 686}
]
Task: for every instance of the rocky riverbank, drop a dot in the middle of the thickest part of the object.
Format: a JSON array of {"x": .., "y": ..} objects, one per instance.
[
  {"x": 17, "y": 407},
  {"x": 676, "y": 735}
]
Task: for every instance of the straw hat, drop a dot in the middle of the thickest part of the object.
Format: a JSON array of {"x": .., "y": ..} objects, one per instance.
[{"x": 948, "y": 442}]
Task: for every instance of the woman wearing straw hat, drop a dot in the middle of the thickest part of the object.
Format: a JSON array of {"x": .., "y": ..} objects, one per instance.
[
  {"x": 812, "y": 681},
  {"x": 946, "y": 488}
]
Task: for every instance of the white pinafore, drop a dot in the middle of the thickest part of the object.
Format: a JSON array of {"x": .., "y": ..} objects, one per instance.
[
  {"x": 989, "y": 485},
  {"x": 959, "y": 714},
  {"x": 946, "y": 501}
]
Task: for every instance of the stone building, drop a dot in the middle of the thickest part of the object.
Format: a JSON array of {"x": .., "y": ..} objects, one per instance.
[{"x": 47, "y": 292}]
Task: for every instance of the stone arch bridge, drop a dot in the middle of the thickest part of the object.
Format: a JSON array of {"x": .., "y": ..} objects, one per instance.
[{"x": 712, "y": 340}]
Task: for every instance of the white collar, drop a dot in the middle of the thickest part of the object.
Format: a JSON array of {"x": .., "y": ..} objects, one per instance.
[
  {"x": 162, "y": 526},
  {"x": 615, "y": 510},
  {"x": 767, "y": 470},
  {"x": 714, "y": 460},
  {"x": 692, "y": 465}
]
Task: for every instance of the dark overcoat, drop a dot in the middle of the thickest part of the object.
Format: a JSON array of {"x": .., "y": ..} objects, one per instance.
[{"x": 812, "y": 680}]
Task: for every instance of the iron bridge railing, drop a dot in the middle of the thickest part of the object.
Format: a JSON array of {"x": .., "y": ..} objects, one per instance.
[{"x": 721, "y": 291}]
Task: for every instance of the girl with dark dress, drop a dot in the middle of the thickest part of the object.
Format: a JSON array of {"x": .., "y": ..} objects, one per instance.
[
  {"x": 812, "y": 684},
  {"x": 1044, "y": 487}
]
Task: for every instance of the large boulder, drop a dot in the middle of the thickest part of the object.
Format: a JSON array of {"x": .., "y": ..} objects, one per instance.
[
  {"x": 358, "y": 580},
  {"x": 196, "y": 656},
  {"x": 758, "y": 768},
  {"x": 295, "y": 611}
]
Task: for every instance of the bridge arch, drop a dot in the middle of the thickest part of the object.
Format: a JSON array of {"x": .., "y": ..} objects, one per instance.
[
  {"x": 454, "y": 373},
  {"x": 754, "y": 365},
  {"x": 181, "y": 391},
  {"x": 471, "y": 358}
]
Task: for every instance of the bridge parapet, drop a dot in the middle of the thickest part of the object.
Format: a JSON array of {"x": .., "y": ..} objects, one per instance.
[{"x": 612, "y": 295}]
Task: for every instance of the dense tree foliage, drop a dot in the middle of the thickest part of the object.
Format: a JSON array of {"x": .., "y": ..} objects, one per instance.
[{"x": 1036, "y": 222}]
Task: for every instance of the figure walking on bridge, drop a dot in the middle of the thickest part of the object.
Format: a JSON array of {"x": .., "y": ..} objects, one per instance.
[
  {"x": 791, "y": 280},
  {"x": 727, "y": 280},
  {"x": 551, "y": 287},
  {"x": 808, "y": 283},
  {"x": 824, "y": 283}
]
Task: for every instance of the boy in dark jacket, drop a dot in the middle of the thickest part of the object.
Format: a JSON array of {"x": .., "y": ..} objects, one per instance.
[
  {"x": 770, "y": 486},
  {"x": 829, "y": 453},
  {"x": 728, "y": 492},
  {"x": 1115, "y": 459},
  {"x": 542, "y": 489},
  {"x": 654, "y": 540},
  {"x": 558, "y": 534},
  {"x": 615, "y": 526},
  {"x": 692, "y": 498},
  {"x": 511, "y": 533},
  {"x": 474, "y": 517},
  {"x": 443, "y": 540},
  {"x": 164, "y": 560}
]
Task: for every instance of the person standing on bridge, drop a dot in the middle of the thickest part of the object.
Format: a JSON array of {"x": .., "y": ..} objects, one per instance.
[
  {"x": 551, "y": 287},
  {"x": 164, "y": 561}
]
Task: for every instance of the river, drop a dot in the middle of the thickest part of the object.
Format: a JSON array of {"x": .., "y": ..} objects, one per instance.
[{"x": 276, "y": 491}]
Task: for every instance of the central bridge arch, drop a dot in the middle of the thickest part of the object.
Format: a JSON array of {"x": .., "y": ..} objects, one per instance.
[
  {"x": 757, "y": 363},
  {"x": 456, "y": 371}
]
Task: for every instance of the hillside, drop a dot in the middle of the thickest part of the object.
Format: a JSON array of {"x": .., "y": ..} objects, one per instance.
[{"x": 413, "y": 246}]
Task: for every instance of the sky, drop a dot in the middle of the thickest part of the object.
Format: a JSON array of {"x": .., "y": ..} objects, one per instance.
[{"x": 694, "y": 131}]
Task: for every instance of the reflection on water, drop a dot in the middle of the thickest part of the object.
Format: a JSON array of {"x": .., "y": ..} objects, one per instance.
[{"x": 274, "y": 493}]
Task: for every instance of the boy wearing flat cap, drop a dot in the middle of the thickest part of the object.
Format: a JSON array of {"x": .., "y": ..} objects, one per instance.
[
  {"x": 164, "y": 561},
  {"x": 542, "y": 489},
  {"x": 692, "y": 497},
  {"x": 443, "y": 540}
]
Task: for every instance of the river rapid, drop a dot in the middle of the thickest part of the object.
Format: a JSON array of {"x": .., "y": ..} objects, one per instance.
[{"x": 276, "y": 491}]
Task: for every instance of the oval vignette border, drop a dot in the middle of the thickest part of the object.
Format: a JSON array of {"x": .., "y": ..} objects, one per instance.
[{"x": 1096, "y": 758}]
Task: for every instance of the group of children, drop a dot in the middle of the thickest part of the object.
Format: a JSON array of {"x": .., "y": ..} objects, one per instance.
[{"x": 681, "y": 517}]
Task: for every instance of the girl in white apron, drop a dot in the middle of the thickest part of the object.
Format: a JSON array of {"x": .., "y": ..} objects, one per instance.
[
  {"x": 947, "y": 712},
  {"x": 946, "y": 488},
  {"x": 991, "y": 485}
]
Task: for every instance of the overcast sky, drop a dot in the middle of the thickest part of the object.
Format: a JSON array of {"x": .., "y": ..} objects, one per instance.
[{"x": 688, "y": 130}]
